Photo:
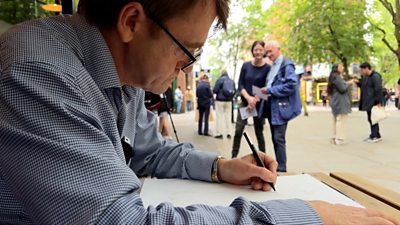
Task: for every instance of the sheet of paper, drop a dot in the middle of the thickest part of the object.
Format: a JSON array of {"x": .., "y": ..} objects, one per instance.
[
  {"x": 257, "y": 92},
  {"x": 186, "y": 192},
  {"x": 244, "y": 114}
]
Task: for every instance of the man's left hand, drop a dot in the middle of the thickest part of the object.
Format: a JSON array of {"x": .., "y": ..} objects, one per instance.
[
  {"x": 264, "y": 90},
  {"x": 244, "y": 171}
]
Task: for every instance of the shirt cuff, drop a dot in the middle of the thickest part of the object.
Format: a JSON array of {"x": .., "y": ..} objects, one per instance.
[
  {"x": 199, "y": 163},
  {"x": 293, "y": 211}
]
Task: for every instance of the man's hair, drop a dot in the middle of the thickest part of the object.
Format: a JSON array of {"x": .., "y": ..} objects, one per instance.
[
  {"x": 365, "y": 65},
  {"x": 273, "y": 43},
  {"x": 104, "y": 13},
  {"x": 224, "y": 72},
  {"x": 204, "y": 77}
]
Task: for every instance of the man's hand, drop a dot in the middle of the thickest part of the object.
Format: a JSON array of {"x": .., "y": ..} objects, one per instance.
[
  {"x": 332, "y": 214},
  {"x": 245, "y": 171},
  {"x": 264, "y": 90}
]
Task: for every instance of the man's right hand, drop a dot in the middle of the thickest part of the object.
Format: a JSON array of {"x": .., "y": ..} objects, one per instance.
[{"x": 337, "y": 214}]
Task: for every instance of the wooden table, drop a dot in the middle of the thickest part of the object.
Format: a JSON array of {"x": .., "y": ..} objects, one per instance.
[{"x": 367, "y": 194}]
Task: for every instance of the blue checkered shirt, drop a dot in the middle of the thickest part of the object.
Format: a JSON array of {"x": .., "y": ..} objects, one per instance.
[{"x": 63, "y": 112}]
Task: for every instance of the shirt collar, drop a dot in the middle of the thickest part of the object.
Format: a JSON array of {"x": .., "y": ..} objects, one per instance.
[
  {"x": 97, "y": 58},
  {"x": 278, "y": 61}
]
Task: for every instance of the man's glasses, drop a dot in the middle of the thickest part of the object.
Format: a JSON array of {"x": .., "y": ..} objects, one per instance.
[{"x": 192, "y": 58}]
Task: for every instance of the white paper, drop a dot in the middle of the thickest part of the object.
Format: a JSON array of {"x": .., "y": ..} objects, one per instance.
[
  {"x": 257, "y": 92},
  {"x": 187, "y": 192},
  {"x": 244, "y": 114}
]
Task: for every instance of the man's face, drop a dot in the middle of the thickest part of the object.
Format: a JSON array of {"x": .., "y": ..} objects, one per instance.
[
  {"x": 365, "y": 71},
  {"x": 155, "y": 60},
  {"x": 272, "y": 52}
]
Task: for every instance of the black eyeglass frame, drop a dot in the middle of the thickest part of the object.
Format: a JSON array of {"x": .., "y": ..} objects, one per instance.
[{"x": 193, "y": 58}]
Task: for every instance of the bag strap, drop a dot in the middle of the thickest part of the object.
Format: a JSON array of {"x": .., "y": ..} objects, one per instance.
[{"x": 283, "y": 64}]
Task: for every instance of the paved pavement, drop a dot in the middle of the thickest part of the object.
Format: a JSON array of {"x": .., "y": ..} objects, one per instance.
[{"x": 308, "y": 146}]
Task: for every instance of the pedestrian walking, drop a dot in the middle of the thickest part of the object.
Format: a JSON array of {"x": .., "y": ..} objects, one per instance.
[
  {"x": 225, "y": 90},
  {"x": 204, "y": 101},
  {"x": 178, "y": 97}
]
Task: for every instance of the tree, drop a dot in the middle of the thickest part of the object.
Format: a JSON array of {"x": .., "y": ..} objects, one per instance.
[
  {"x": 393, "y": 9},
  {"x": 16, "y": 11},
  {"x": 278, "y": 23},
  {"x": 386, "y": 62},
  {"x": 256, "y": 17},
  {"x": 229, "y": 47},
  {"x": 328, "y": 31}
]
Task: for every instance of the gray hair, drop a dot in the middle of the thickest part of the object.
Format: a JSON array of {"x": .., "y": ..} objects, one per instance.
[{"x": 273, "y": 43}]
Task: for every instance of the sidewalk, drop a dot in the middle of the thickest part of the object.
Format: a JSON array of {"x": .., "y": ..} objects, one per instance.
[{"x": 308, "y": 146}]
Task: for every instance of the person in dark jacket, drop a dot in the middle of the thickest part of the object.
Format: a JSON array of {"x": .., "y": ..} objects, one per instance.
[
  {"x": 283, "y": 104},
  {"x": 397, "y": 97},
  {"x": 371, "y": 95},
  {"x": 204, "y": 100},
  {"x": 154, "y": 102},
  {"x": 338, "y": 90},
  {"x": 223, "y": 106}
]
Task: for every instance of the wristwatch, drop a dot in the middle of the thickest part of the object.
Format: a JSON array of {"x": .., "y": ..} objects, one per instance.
[{"x": 214, "y": 170}]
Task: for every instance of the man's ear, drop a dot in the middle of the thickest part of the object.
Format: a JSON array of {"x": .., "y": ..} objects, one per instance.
[{"x": 129, "y": 17}]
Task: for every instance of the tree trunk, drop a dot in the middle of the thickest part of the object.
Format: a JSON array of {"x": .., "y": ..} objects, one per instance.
[
  {"x": 398, "y": 58},
  {"x": 236, "y": 55},
  {"x": 346, "y": 67},
  {"x": 396, "y": 22},
  {"x": 395, "y": 14}
]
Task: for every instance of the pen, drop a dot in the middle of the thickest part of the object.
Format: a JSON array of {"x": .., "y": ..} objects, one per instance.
[{"x": 260, "y": 163}]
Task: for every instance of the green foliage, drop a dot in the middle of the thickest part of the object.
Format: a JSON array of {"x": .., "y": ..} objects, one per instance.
[
  {"x": 310, "y": 31},
  {"x": 231, "y": 46},
  {"x": 382, "y": 30},
  {"x": 256, "y": 18},
  {"x": 16, "y": 11},
  {"x": 279, "y": 26},
  {"x": 332, "y": 31}
]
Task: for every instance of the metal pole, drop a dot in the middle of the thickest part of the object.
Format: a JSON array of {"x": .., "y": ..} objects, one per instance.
[{"x": 164, "y": 98}]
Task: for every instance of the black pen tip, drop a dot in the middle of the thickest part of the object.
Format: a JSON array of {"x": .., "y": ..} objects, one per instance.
[{"x": 272, "y": 186}]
